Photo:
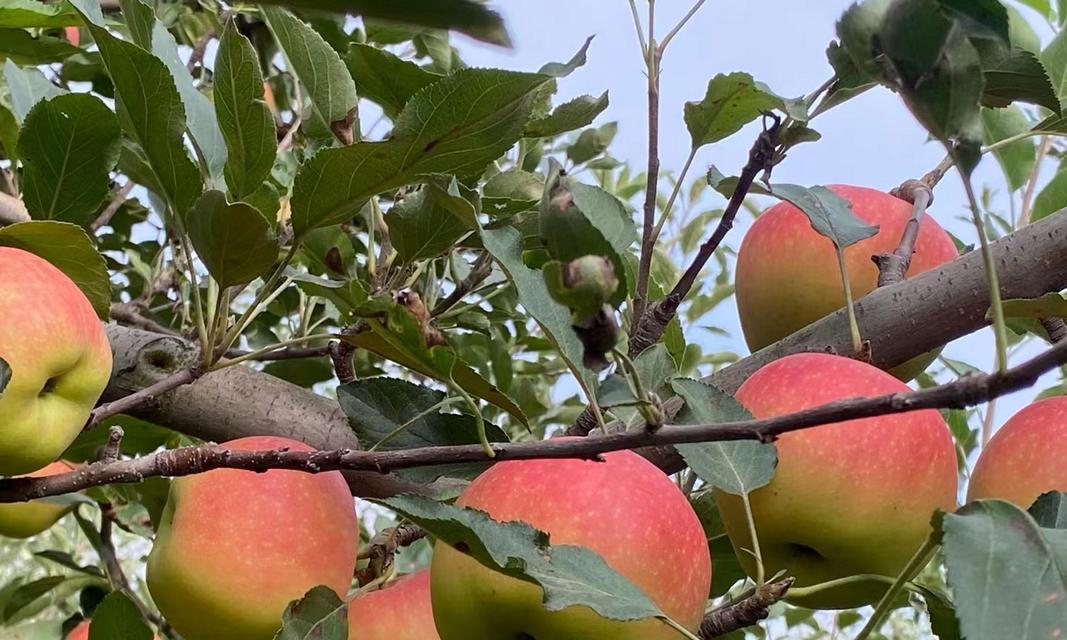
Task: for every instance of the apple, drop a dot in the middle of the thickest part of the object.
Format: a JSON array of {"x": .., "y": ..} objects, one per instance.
[
  {"x": 81, "y": 632},
  {"x": 400, "y": 611},
  {"x": 847, "y": 498},
  {"x": 25, "y": 519},
  {"x": 59, "y": 357},
  {"x": 788, "y": 277},
  {"x": 623, "y": 508},
  {"x": 1026, "y": 457},
  {"x": 234, "y": 547}
]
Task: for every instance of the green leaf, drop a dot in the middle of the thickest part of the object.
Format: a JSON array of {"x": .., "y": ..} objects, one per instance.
[
  {"x": 32, "y": 13},
  {"x": 421, "y": 226},
  {"x": 235, "y": 241},
  {"x": 592, "y": 142},
  {"x": 1016, "y": 159},
  {"x": 118, "y": 617},
  {"x": 27, "y": 87},
  {"x": 319, "y": 615},
  {"x": 388, "y": 414},
  {"x": 505, "y": 245},
  {"x": 466, "y": 16},
  {"x": 941, "y": 611},
  {"x": 936, "y": 67},
  {"x": 457, "y": 125},
  {"x": 384, "y": 78},
  {"x": 569, "y": 575},
  {"x": 150, "y": 111},
  {"x": 67, "y": 247},
  {"x": 1052, "y": 197},
  {"x": 22, "y": 47},
  {"x": 654, "y": 366},
  {"x": 243, "y": 116},
  {"x": 607, "y": 215},
  {"x": 1050, "y": 510},
  {"x": 1054, "y": 58},
  {"x": 734, "y": 467},
  {"x": 856, "y": 30},
  {"x": 575, "y": 114},
  {"x": 1050, "y": 305},
  {"x": 829, "y": 214},
  {"x": 402, "y": 342},
  {"x": 1009, "y": 575},
  {"x": 732, "y": 101},
  {"x": 1019, "y": 77},
  {"x": 311, "y": 59},
  {"x": 204, "y": 130},
  {"x": 68, "y": 145},
  {"x": 29, "y": 599}
]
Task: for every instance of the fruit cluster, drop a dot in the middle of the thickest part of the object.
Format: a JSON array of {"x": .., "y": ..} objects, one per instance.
[{"x": 853, "y": 498}]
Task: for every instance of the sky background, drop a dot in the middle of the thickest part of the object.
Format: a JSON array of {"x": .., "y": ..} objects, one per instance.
[{"x": 871, "y": 141}]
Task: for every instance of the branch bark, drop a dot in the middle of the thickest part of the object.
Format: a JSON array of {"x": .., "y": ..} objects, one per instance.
[
  {"x": 232, "y": 403},
  {"x": 893, "y": 267},
  {"x": 964, "y": 392},
  {"x": 745, "y": 612}
]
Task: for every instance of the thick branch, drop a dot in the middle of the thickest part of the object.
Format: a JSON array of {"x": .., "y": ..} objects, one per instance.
[
  {"x": 745, "y": 612},
  {"x": 922, "y": 313},
  {"x": 232, "y": 403},
  {"x": 967, "y": 391}
]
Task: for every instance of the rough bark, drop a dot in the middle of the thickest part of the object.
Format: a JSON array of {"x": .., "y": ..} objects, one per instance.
[{"x": 232, "y": 403}]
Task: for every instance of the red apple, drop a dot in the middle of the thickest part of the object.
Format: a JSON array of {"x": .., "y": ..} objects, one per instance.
[
  {"x": 1026, "y": 457},
  {"x": 788, "y": 277},
  {"x": 623, "y": 508},
  {"x": 59, "y": 357},
  {"x": 847, "y": 498},
  {"x": 25, "y": 519},
  {"x": 400, "y": 611},
  {"x": 235, "y": 547}
]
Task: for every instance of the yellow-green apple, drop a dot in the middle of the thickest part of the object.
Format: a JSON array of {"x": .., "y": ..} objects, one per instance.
[
  {"x": 81, "y": 632},
  {"x": 59, "y": 357},
  {"x": 788, "y": 276},
  {"x": 623, "y": 508},
  {"x": 847, "y": 498},
  {"x": 1026, "y": 457},
  {"x": 25, "y": 519},
  {"x": 400, "y": 611},
  {"x": 234, "y": 547}
]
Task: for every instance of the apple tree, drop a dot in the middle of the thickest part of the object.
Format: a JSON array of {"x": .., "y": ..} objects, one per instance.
[{"x": 308, "y": 329}]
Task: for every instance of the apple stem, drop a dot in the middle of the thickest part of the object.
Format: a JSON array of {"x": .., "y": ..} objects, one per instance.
[
  {"x": 915, "y": 565},
  {"x": 803, "y": 592},
  {"x": 479, "y": 421},
  {"x": 853, "y": 325},
  {"x": 679, "y": 628},
  {"x": 756, "y": 553},
  {"x": 648, "y": 409},
  {"x": 1000, "y": 332}
]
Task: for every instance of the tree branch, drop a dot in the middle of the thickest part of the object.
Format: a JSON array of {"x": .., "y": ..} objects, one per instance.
[
  {"x": 1056, "y": 328},
  {"x": 12, "y": 210},
  {"x": 112, "y": 208},
  {"x": 480, "y": 270},
  {"x": 652, "y": 62},
  {"x": 745, "y": 612},
  {"x": 893, "y": 267},
  {"x": 964, "y": 392}
]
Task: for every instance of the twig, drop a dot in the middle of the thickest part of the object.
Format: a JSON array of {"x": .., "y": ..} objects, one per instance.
[
  {"x": 122, "y": 405},
  {"x": 678, "y": 27},
  {"x": 650, "y": 326},
  {"x": 113, "y": 207},
  {"x": 1056, "y": 328},
  {"x": 743, "y": 613},
  {"x": 383, "y": 548},
  {"x": 934, "y": 175},
  {"x": 480, "y": 270},
  {"x": 1031, "y": 185},
  {"x": 893, "y": 267},
  {"x": 113, "y": 446},
  {"x": 288, "y": 353},
  {"x": 128, "y": 315},
  {"x": 964, "y": 392},
  {"x": 197, "y": 56},
  {"x": 652, "y": 60}
]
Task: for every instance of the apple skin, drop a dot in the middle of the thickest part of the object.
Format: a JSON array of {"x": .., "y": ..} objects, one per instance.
[
  {"x": 25, "y": 519},
  {"x": 81, "y": 632},
  {"x": 847, "y": 498},
  {"x": 400, "y": 611},
  {"x": 1026, "y": 457},
  {"x": 59, "y": 357},
  {"x": 235, "y": 547},
  {"x": 623, "y": 508},
  {"x": 787, "y": 274}
]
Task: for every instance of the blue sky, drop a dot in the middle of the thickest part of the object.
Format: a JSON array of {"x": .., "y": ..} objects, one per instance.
[{"x": 871, "y": 141}]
